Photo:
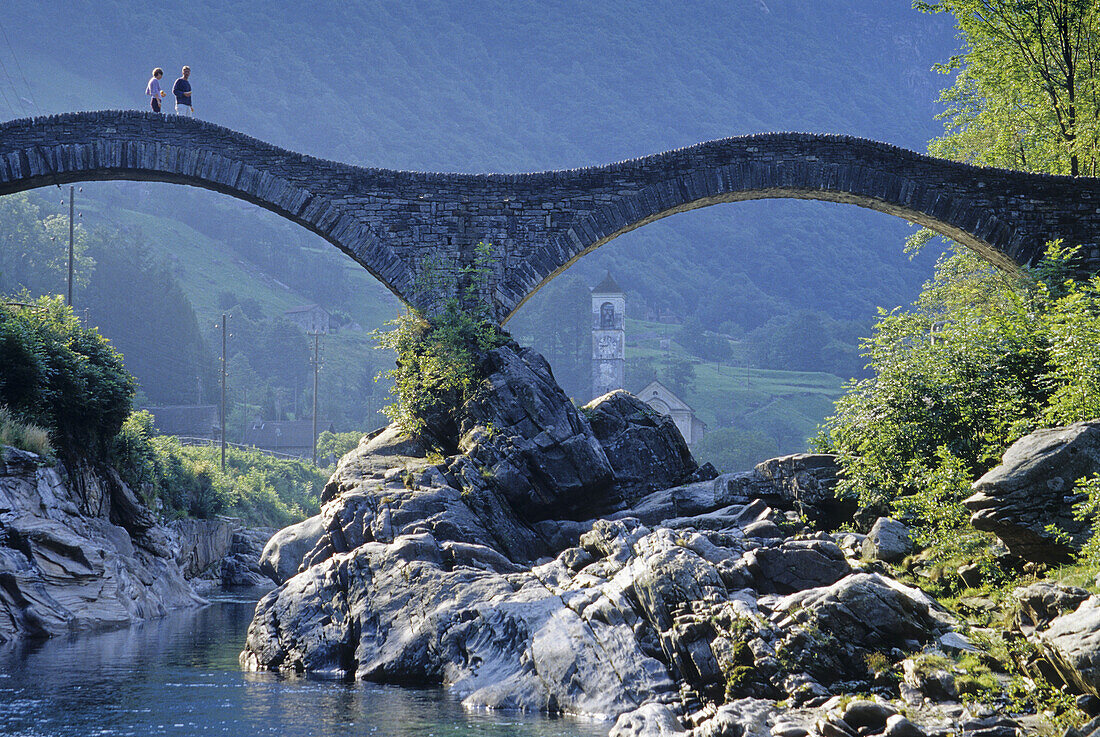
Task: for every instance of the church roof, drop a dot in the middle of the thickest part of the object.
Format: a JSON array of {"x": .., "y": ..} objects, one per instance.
[{"x": 607, "y": 286}]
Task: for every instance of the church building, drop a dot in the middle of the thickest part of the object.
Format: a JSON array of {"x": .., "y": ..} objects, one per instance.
[{"x": 660, "y": 397}]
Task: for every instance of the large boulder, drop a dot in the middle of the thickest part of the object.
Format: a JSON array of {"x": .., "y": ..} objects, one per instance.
[
  {"x": 528, "y": 441},
  {"x": 284, "y": 552},
  {"x": 644, "y": 447},
  {"x": 803, "y": 482},
  {"x": 1030, "y": 494},
  {"x": 201, "y": 543},
  {"x": 870, "y": 610},
  {"x": 888, "y": 540},
  {"x": 1039, "y": 603},
  {"x": 795, "y": 565},
  {"x": 241, "y": 566},
  {"x": 1072, "y": 646},
  {"x": 414, "y": 610}
]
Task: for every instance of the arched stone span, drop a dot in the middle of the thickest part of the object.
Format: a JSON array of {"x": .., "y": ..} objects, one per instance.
[
  {"x": 395, "y": 222},
  {"x": 133, "y": 145}
]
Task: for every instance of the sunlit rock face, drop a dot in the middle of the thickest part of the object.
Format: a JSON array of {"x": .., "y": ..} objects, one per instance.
[{"x": 78, "y": 551}]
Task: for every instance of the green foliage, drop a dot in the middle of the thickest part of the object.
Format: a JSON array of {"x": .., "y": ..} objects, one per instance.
[
  {"x": 187, "y": 481},
  {"x": 437, "y": 354},
  {"x": 62, "y": 377},
  {"x": 558, "y": 323},
  {"x": 1088, "y": 510},
  {"x": 337, "y": 445},
  {"x": 23, "y": 435},
  {"x": 935, "y": 507},
  {"x": 694, "y": 337},
  {"x": 135, "y": 300},
  {"x": 976, "y": 363},
  {"x": 680, "y": 376},
  {"x": 1027, "y": 90},
  {"x": 956, "y": 378},
  {"x": 34, "y": 248}
]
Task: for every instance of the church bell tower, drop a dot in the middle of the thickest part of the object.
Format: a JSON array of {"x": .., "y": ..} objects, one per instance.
[{"x": 608, "y": 336}]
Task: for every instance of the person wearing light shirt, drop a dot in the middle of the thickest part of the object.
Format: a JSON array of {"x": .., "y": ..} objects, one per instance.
[{"x": 153, "y": 89}]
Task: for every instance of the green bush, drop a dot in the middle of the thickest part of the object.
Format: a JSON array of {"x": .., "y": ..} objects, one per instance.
[
  {"x": 437, "y": 353},
  {"x": 62, "y": 377},
  {"x": 336, "y": 445},
  {"x": 185, "y": 481},
  {"x": 978, "y": 361}
]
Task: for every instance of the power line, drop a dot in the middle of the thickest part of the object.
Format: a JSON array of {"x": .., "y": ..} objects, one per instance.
[
  {"x": 19, "y": 67},
  {"x": 7, "y": 76}
]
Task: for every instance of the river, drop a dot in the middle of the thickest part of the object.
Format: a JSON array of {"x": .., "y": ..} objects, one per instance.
[{"x": 179, "y": 676}]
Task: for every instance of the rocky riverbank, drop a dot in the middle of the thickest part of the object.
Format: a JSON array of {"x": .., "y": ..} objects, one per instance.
[
  {"x": 80, "y": 551},
  {"x": 577, "y": 561}
]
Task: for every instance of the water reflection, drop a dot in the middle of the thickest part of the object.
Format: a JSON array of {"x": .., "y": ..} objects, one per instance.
[{"x": 179, "y": 676}]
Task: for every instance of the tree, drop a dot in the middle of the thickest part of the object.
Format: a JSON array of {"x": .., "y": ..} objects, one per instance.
[
  {"x": 63, "y": 377},
  {"x": 137, "y": 303},
  {"x": 680, "y": 376},
  {"x": 1027, "y": 93},
  {"x": 968, "y": 369},
  {"x": 694, "y": 337},
  {"x": 34, "y": 250},
  {"x": 558, "y": 324},
  {"x": 639, "y": 373}
]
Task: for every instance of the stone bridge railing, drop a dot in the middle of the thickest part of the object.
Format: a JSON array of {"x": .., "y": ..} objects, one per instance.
[{"x": 395, "y": 222}]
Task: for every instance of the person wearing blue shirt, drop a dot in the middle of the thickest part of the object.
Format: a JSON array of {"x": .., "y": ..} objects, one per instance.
[{"x": 182, "y": 90}]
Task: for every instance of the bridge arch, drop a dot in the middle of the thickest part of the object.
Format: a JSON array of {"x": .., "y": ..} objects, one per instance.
[
  {"x": 396, "y": 223},
  {"x": 1004, "y": 216},
  {"x": 139, "y": 146}
]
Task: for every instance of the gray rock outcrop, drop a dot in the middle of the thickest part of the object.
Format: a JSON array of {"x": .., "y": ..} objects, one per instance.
[
  {"x": 645, "y": 449},
  {"x": 802, "y": 482},
  {"x": 689, "y": 612},
  {"x": 240, "y": 568},
  {"x": 220, "y": 553},
  {"x": 200, "y": 543},
  {"x": 531, "y": 445},
  {"x": 284, "y": 552},
  {"x": 1039, "y": 603},
  {"x": 1072, "y": 646},
  {"x": 78, "y": 551},
  {"x": 1031, "y": 492}
]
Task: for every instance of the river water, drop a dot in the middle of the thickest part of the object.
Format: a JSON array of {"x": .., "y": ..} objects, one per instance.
[{"x": 179, "y": 676}]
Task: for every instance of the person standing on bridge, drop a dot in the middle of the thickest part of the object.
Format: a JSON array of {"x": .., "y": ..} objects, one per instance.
[
  {"x": 182, "y": 90},
  {"x": 153, "y": 89}
]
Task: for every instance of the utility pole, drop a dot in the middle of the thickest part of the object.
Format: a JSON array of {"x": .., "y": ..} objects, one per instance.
[
  {"x": 225, "y": 364},
  {"x": 316, "y": 361},
  {"x": 69, "y": 298}
]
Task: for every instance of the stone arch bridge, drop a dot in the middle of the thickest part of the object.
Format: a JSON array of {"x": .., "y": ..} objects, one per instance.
[{"x": 395, "y": 222}]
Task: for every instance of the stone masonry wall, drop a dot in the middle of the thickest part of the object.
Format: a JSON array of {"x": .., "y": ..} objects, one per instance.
[{"x": 395, "y": 222}]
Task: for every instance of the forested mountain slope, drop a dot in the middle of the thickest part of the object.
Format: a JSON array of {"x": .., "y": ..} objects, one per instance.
[{"x": 505, "y": 86}]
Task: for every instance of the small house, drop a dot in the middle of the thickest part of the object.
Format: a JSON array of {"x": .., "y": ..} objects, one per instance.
[
  {"x": 292, "y": 437},
  {"x": 187, "y": 420},
  {"x": 310, "y": 318}
]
